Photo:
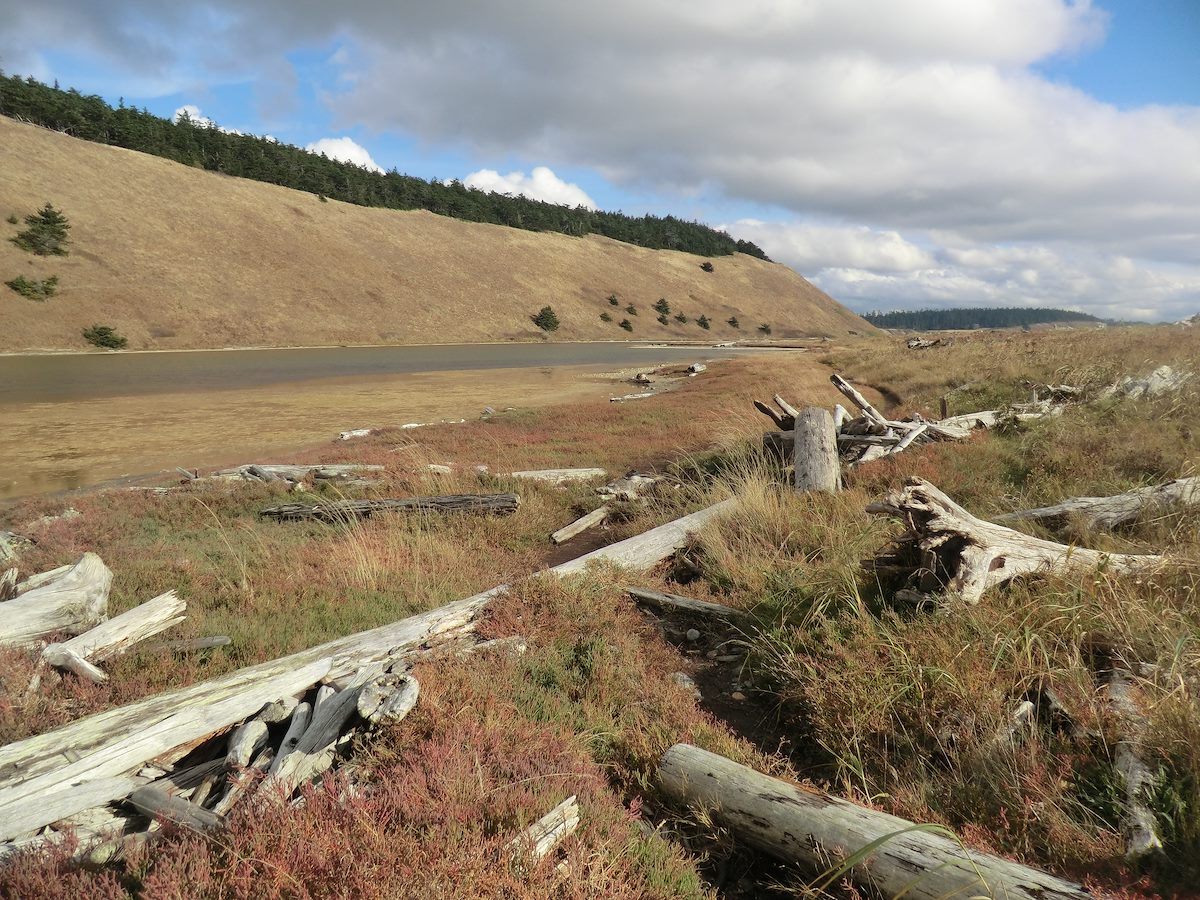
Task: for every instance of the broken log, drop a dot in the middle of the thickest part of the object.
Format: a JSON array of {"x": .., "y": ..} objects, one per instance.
[
  {"x": 540, "y": 839},
  {"x": 629, "y": 487},
  {"x": 116, "y": 636},
  {"x": 246, "y": 740},
  {"x": 1108, "y": 513},
  {"x": 849, "y": 391},
  {"x": 79, "y": 765},
  {"x": 345, "y": 510},
  {"x": 1138, "y": 822},
  {"x": 783, "y": 423},
  {"x": 311, "y": 756},
  {"x": 817, "y": 467},
  {"x": 394, "y": 706},
  {"x": 787, "y": 408},
  {"x": 580, "y": 525},
  {"x": 899, "y": 858},
  {"x": 642, "y": 396},
  {"x": 8, "y": 584},
  {"x": 73, "y": 600},
  {"x": 297, "y": 472},
  {"x": 674, "y": 604},
  {"x": 158, "y": 803},
  {"x": 558, "y": 476},
  {"x": 907, "y": 440},
  {"x": 295, "y": 730},
  {"x": 947, "y": 548}
]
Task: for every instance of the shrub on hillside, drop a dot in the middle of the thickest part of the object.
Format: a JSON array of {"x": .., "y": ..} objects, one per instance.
[
  {"x": 631, "y": 309},
  {"x": 605, "y": 317},
  {"x": 46, "y": 234},
  {"x": 703, "y": 322},
  {"x": 662, "y": 307},
  {"x": 627, "y": 325},
  {"x": 613, "y": 301},
  {"x": 546, "y": 319},
  {"x": 765, "y": 328},
  {"x": 663, "y": 320},
  {"x": 706, "y": 266},
  {"x": 733, "y": 321},
  {"x": 681, "y": 318},
  {"x": 12, "y": 219},
  {"x": 104, "y": 336},
  {"x": 33, "y": 288}
]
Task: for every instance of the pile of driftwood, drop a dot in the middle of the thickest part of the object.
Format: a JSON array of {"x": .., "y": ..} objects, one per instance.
[
  {"x": 189, "y": 755},
  {"x": 632, "y": 487}
]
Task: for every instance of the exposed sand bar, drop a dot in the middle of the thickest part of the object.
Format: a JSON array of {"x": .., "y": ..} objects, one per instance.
[{"x": 53, "y": 445}]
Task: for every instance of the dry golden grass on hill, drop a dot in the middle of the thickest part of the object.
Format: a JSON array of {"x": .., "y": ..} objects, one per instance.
[{"x": 175, "y": 257}]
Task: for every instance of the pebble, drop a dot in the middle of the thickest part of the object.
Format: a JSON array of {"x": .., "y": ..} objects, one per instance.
[
  {"x": 684, "y": 681},
  {"x": 737, "y": 695},
  {"x": 693, "y": 634}
]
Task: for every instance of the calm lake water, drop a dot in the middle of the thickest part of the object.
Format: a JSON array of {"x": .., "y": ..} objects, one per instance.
[
  {"x": 72, "y": 421},
  {"x": 71, "y": 377}
]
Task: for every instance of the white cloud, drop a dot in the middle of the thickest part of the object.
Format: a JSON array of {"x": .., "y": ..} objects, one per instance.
[
  {"x": 811, "y": 247},
  {"x": 198, "y": 118},
  {"x": 346, "y": 150},
  {"x": 540, "y": 184}
]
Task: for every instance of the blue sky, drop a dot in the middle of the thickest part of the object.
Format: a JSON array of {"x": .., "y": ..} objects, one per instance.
[{"x": 899, "y": 153}]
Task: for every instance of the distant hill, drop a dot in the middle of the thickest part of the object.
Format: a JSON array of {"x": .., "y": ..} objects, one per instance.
[
  {"x": 961, "y": 319},
  {"x": 264, "y": 159},
  {"x": 175, "y": 257}
]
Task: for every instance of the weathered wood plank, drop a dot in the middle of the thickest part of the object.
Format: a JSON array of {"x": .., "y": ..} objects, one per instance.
[
  {"x": 580, "y": 525},
  {"x": 673, "y": 603}
]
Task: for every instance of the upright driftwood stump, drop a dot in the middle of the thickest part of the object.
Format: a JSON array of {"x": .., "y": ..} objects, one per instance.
[
  {"x": 817, "y": 830},
  {"x": 817, "y": 467},
  {"x": 947, "y": 548}
]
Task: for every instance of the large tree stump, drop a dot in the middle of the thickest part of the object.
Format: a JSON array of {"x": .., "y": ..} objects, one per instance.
[
  {"x": 70, "y": 598},
  {"x": 947, "y": 548},
  {"x": 816, "y": 830},
  {"x": 817, "y": 467}
]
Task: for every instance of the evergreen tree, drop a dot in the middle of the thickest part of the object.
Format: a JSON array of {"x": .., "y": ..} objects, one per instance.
[
  {"x": 46, "y": 234},
  {"x": 546, "y": 319}
]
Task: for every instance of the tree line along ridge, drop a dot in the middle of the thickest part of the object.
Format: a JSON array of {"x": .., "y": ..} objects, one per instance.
[{"x": 91, "y": 118}]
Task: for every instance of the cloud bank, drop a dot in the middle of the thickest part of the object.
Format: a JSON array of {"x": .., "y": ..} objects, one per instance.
[
  {"x": 345, "y": 149},
  {"x": 540, "y": 184}
]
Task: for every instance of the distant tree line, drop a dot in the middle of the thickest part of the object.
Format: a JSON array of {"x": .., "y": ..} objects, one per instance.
[
  {"x": 263, "y": 159},
  {"x": 937, "y": 319}
]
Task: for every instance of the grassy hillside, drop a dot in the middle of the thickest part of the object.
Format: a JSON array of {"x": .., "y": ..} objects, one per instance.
[{"x": 176, "y": 258}]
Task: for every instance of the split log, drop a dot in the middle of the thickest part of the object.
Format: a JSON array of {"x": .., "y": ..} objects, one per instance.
[
  {"x": 674, "y": 604},
  {"x": 558, "y": 476},
  {"x": 80, "y": 765},
  {"x": 396, "y": 705},
  {"x": 72, "y": 601},
  {"x": 783, "y": 423},
  {"x": 246, "y": 740},
  {"x": 157, "y": 803},
  {"x": 849, "y": 391},
  {"x": 817, "y": 467},
  {"x": 345, "y": 510},
  {"x": 948, "y": 548},
  {"x": 899, "y": 858},
  {"x": 1112, "y": 512},
  {"x": 1138, "y": 823},
  {"x": 116, "y": 636},
  {"x": 310, "y": 757},
  {"x": 788, "y": 409},
  {"x": 296, "y": 727},
  {"x": 580, "y": 525},
  {"x": 540, "y": 839}
]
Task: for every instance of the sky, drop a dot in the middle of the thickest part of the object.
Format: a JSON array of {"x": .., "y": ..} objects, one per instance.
[{"x": 898, "y": 153}]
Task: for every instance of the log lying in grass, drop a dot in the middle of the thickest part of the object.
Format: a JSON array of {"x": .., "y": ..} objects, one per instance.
[
  {"x": 851, "y": 393},
  {"x": 87, "y": 763},
  {"x": 540, "y": 839},
  {"x": 816, "y": 464},
  {"x": 948, "y": 548},
  {"x": 345, "y": 510},
  {"x": 580, "y": 525},
  {"x": 629, "y": 487},
  {"x": 70, "y": 598},
  {"x": 558, "y": 476},
  {"x": 891, "y": 855},
  {"x": 116, "y": 636},
  {"x": 674, "y": 604},
  {"x": 1113, "y": 512},
  {"x": 1138, "y": 822},
  {"x": 11, "y": 545},
  {"x": 640, "y": 396},
  {"x": 295, "y": 473}
]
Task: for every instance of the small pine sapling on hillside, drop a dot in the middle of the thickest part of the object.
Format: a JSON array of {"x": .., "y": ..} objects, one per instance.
[
  {"x": 663, "y": 320},
  {"x": 631, "y": 309},
  {"x": 662, "y": 307},
  {"x": 703, "y": 322},
  {"x": 104, "y": 336},
  {"x": 627, "y": 325},
  {"x": 613, "y": 301},
  {"x": 605, "y": 317},
  {"x": 681, "y": 318},
  {"x": 765, "y": 328},
  {"x": 546, "y": 319},
  {"x": 46, "y": 234},
  {"x": 733, "y": 322},
  {"x": 34, "y": 289},
  {"x": 706, "y": 266}
]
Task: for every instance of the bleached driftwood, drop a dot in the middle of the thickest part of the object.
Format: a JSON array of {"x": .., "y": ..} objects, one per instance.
[
  {"x": 116, "y": 636},
  {"x": 73, "y": 600},
  {"x": 396, "y": 701},
  {"x": 908, "y": 439},
  {"x": 312, "y": 753},
  {"x": 852, "y": 394},
  {"x": 86, "y": 763},
  {"x": 948, "y": 548},
  {"x": 840, "y": 416},
  {"x": 354, "y": 433},
  {"x": 1138, "y": 823},
  {"x": 788, "y": 409},
  {"x": 246, "y": 740},
  {"x": 810, "y": 828},
  {"x": 344, "y": 510},
  {"x": 782, "y": 422},
  {"x": 629, "y": 487},
  {"x": 580, "y": 525},
  {"x": 295, "y": 730},
  {"x": 11, "y": 545},
  {"x": 816, "y": 464},
  {"x": 1113, "y": 512},
  {"x": 558, "y": 476},
  {"x": 640, "y": 396},
  {"x": 540, "y": 839},
  {"x": 8, "y": 584},
  {"x": 1162, "y": 380},
  {"x": 158, "y": 803},
  {"x": 674, "y": 604}
]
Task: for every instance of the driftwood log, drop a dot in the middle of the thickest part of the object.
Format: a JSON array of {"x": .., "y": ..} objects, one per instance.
[
  {"x": 345, "y": 510},
  {"x": 816, "y": 462},
  {"x": 1108, "y": 513},
  {"x": 816, "y": 830},
  {"x": 88, "y": 763},
  {"x": 116, "y": 636},
  {"x": 558, "y": 476},
  {"x": 540, "y": 839},
  {"x": 70, "y": 598},
  {"x": 674, "y": 604},
  {"x": 1138, "y": 821},
  {"x": 947, "y": 548},
  {"x": 298, "y": 472},
  {"x": 580, "y": 525}
]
